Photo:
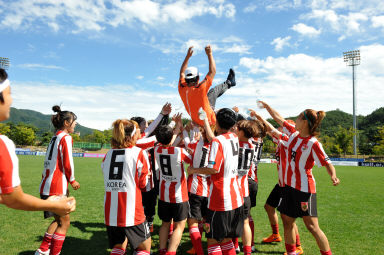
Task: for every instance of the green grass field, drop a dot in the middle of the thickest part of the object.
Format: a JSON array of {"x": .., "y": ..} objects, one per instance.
[{"x": 351, "y": 215}]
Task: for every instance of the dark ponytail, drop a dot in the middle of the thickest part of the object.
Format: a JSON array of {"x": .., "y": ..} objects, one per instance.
[
  {"x": 314, "y": 119},
  {"x": 61, "y": 116}
]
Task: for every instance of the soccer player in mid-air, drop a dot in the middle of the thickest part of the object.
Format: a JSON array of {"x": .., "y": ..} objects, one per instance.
[
  {"x": 125, "y": 169},
  {"x": 197, "y": 94},
  {"x": 58, "y": 172}
]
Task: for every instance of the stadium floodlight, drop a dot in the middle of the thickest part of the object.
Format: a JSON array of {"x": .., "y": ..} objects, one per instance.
[
  {"x": 4, "y": 63},
  {"x": 352, "y": 58}
]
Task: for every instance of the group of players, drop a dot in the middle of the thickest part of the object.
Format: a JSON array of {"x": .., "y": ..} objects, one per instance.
[{"x": 214, "y": 195}]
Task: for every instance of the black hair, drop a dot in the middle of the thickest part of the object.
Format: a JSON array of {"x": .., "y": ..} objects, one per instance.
[
  {"x": 3, "y": 77},
  {"x": 61, "y": 116},
  {"x": 239, "y": 117},
  {"x": 192, "y": 80},
  {"x": 164, "y": 134},
  {"x": 138, "y": 119},
  {"x": 226, "y": 118}
]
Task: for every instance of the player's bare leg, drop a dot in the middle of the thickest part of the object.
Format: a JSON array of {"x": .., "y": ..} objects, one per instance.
[
  {"x": 312, "y": 225},
  {"x": 178, "y": 229},
  {"x": 163, "y": 234}
]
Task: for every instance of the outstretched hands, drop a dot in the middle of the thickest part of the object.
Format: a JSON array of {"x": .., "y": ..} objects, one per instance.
[
  {"x": 167, "y": 109},
  {"x": 190, "y": 52}
]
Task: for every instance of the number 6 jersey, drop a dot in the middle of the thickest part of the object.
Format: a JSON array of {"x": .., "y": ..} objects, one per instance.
[{"x": 125, "y": 175}]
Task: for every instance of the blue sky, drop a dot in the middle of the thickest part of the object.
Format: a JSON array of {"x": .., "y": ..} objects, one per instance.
[{"x": 117, "y": 59}]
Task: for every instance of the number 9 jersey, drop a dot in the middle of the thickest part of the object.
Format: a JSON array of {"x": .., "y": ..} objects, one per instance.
[{"x": 125, "y": 175}]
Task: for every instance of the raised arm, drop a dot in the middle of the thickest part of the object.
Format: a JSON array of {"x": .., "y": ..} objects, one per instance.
[
  {"x": 160, "y": 120},
  {"x": 271, "y": 130},
  {"x": 185, "y": 62},
  {"x": 274, "y": 114},
  {"x": 212, "y": 64}
]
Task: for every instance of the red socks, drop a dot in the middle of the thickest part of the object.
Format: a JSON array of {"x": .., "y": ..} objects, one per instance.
[
  {"x": 252, "y": 226},
  {"x": 46, "y": 243},
  {"x": 57, "y": 243},
  {"x": 247, "y": 250},
  {"x": 214, "y": 249},
  {"x": 117, "y": 251},
  {"x": 235, "y": 242},
  {"x": 170, "y": 253},
  {"x": 326, "y": 252},
  {"x": 275, "y": 229},
  {"x": 228, "y": 248},
  {"x": 195, "y": 235},
  {"x": 142, "y": 252},
  {"x": 291, "y": 249},
  {"x": 170, "y": 231},
  {"x": 163, "y": 251}
]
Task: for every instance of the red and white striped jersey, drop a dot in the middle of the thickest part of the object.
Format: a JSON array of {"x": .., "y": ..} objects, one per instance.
[
  {"x": 9, "y": 166},
  {"x": 224, "y": 193},
  {"x": 281, "y": 157},
  {"x": 302, "y": 154},
  {"x": 258, "y": 147},
  {"x": 288, "y": 128},
  {"x": 58, "y": 166},
  {"x": 125, "y": 175},
  {"x": 246, "y": 162},
  {"x": 173, "y": 183},
  {"x": 148, "y": 144},
  {"x": 198, "y": 184}
]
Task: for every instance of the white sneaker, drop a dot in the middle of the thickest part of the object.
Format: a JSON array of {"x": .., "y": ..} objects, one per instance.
[{"x": 39, "y": 252}]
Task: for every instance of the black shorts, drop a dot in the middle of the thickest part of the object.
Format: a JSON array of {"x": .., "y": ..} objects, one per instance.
[
  {"x": 274, "y": 198},
  {"x": 253, "y": 187},
  {"x": 149, "y": 200},
  {"x": 295, "y": 203},
  {"x": 176, "y": 211},
  {"x": 135, "y": 234},
  {"x": 225, "y": 224},
  {"x": 197, "y": 206},
  {"x": 247, "y": 207},
  {"x": 48, "y": 214}
]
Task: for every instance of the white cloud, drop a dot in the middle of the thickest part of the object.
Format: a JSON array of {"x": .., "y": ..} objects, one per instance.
[
  {"x": 40, "y": 66},
  {"x": 250, "y": 8},
  {"x": 280, "y": 43},
  {"x": 306, "y": 30},
  {"x": 93, "y": 15},
  {"x": 139, "y": 77},
  {"x": 95, "y": 106},
  {"x": 160, "y": 78},
  {"x": 378, "y": 21},
  {"x": 291, "y": 84}
]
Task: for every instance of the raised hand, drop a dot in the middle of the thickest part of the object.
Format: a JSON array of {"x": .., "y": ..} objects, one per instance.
[{"x": 167, "y": 109}]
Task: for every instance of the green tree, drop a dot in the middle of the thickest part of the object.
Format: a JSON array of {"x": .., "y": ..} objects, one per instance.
[
  {"x": 46, "y": 138},
  {"x": 5, "y": 129},
  {"x": 378, "y": 149},
  {"x": 344, "y": 139},
  {"x": 75, "y": 137},
  {"x": 23, "y": 135}
]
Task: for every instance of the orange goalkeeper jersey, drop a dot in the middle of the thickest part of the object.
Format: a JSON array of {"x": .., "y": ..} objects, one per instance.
[{"x": 195, "y": 97}]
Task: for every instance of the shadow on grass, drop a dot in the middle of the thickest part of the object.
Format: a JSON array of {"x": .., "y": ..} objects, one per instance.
[{"x": 98, "y": 243}]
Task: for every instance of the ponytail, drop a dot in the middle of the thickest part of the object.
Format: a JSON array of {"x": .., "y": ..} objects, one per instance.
[
  {"x": 314, "y": 119},
  {"x": 61, "y": 116},
  {"x": 123, "y": 133}
]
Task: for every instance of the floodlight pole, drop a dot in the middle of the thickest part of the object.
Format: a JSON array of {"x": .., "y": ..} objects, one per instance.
[
  {"x": 4, "y": 63},
  {"x": 352, "y": 58}
]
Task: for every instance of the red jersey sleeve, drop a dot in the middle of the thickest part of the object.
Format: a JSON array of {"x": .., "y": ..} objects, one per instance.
[
  {"x": 288, "y": 128},
  {"x": 216, "y": 156},
  {"x": 9, "y": 167},
  {"x": 186, "y": 157},
  {"x": 66, "y": 155},
  {"x": 319, "y": 155},
  {"x": 142, "y": 165}
]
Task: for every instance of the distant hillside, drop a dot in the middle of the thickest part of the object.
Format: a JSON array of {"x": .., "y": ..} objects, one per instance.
[{"x": 41, "y": 121}]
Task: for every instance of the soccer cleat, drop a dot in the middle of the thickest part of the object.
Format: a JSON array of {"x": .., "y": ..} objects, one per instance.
[
  {"x": 299, "y": 251},
  {"x": 231, "y": 78},
  {"x": 272, "y": 238},
  {"x": 191, "y": 251},
  {"x": 40, "y": 252},
  {"x": 237, "y": 250}
]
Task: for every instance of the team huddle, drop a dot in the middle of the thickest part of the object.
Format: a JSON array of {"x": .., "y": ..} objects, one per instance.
[{"x": 203, "y": 173}]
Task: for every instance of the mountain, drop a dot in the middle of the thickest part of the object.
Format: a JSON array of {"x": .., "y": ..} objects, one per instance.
[{"x": 41, "y": 121}]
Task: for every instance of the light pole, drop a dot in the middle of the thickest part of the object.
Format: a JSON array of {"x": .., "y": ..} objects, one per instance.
[
  {"x": 352, "y": 58},
  {"x": 4, "y": 63}
]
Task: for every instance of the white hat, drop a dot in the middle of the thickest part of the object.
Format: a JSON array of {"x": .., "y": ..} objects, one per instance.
[
  {"x": 4, "y": 85},
  {"x": 191, "y": 72}
]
